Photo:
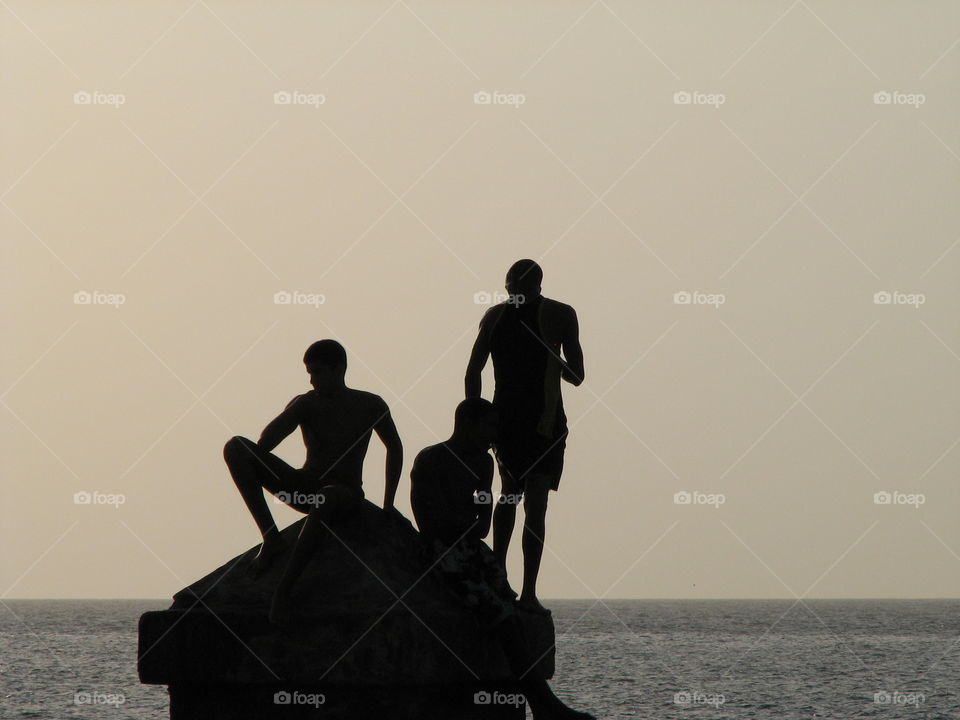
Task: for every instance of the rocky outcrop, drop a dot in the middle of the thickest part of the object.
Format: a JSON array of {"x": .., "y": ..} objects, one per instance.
[{"x": 375, "y": 633}]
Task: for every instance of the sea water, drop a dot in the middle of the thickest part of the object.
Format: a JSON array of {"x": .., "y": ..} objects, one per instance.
[{"x": 615, "y": 658}]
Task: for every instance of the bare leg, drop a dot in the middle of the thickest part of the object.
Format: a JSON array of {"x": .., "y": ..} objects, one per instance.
[
  {"x": 504, "y": 518},
  {"x": 543, "y": 703},
  {"x": 246, "y": 469},
  {"x": 534, "y": 524},
  {"x": 310, "y": 535},
  {"x": 337, "y": 501}
]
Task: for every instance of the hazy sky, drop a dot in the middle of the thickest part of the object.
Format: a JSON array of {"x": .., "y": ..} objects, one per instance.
[{"x": 781, "y": 162}]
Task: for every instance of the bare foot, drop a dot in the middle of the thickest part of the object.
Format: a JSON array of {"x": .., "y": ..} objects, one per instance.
[
  {"x": 280, "y": 609},
  {"x": 264, "y": 559},
  {"x": 531, "y": 604}
]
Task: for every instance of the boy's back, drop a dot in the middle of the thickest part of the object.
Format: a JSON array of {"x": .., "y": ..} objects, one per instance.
[
  {"x": 336, "y": 431},
  {"x": 442, "y": 491}
]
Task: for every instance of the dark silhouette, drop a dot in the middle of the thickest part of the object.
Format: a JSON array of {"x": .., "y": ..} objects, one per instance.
[
  {"x": 526, "y": 336},
  {"x": 450, "y": 495},
  {"x": 375, "y": 628},
  {"x": 336, "y": 422}
]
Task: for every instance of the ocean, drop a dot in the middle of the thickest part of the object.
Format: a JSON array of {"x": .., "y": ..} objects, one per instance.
[{"x": 615, "y": 658}]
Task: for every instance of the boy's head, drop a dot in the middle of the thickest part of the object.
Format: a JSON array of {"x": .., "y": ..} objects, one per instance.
[
  {"x": 524, "y": 278},
  {"x": 326, "y": 362},
  {"x": 475, "y": 419}
]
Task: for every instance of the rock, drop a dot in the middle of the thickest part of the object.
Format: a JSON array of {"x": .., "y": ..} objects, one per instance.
[{"x": 374, "y": 633}]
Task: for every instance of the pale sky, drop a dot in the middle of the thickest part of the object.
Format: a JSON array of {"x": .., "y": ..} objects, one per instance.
[{"x": 782, "y": 162}]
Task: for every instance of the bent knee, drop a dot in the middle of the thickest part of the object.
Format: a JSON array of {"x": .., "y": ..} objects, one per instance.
[{"x": 235, "y": 446}]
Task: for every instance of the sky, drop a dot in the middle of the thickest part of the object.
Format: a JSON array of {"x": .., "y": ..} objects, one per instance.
[{"x": 751, "y": 206}]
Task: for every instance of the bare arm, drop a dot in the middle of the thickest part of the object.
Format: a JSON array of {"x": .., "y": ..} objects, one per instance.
[
  {"x": 485, "y": 512},
  {"x": 473, "y": 382},
  {"x": 387, "y": 432},
  {"x": 423, "y": 499},
  {"x": 572, "y": 352},
  {"x": 281, "y": 426}
]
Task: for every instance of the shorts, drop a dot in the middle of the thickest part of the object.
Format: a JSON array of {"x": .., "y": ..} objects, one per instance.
[{"x": 520, "y": 457}]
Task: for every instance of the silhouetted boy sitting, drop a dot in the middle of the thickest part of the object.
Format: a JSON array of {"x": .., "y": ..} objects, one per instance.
[
  {"x": 336, "y": 422},
  {"x": 452, "y": 504}
]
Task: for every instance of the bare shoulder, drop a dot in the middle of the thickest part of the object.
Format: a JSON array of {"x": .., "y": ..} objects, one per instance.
[
  {"x": 492, "y": 315},
  {"x": 429, "y": 454},
  {"x": 557, "y": 307},
  {"x": 562, "y": 314},
  {"x": 424, "y": 464},
  {"x": 369, "y": 402},
  {"x": 301, "y": 400}
]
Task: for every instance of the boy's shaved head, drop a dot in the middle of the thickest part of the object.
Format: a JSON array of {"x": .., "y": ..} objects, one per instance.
[
  {"x": 523, "y": 279},
  {"x": 526, "y": 272}
]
